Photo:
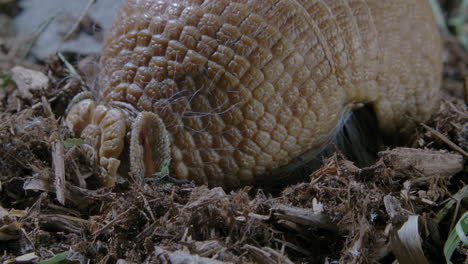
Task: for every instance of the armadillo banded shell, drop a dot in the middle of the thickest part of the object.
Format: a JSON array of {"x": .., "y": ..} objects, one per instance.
[{"x": 245, "y": 86}]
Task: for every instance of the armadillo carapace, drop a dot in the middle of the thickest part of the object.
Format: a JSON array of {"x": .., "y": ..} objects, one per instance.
[{"x": 225, "y": 91}]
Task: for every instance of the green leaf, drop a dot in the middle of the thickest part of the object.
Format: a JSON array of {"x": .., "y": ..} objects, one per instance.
[
  {"x": 457, "y": 20},
  {"x": 6, "y": 79},
  {"x": 56, "y": 259},
  {"x": 439, "y": 16},
  {"x": 164, "y": 170},
  {"x": 70, "y": 142},
  {"x": 457, "y": 235}
]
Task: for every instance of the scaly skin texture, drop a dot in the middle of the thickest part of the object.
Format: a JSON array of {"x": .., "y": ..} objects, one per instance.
[{"x": 245, "y": 86}]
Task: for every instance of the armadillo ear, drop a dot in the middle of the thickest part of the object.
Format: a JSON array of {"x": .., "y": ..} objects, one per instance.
[{"x": 149, "y": 145}]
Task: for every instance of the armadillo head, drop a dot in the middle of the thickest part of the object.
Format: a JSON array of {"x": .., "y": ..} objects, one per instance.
[{"x": 121, "y": 137}]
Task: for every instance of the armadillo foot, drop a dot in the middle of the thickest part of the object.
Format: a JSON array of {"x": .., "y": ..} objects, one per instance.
[{"x": 105, "y": 127}]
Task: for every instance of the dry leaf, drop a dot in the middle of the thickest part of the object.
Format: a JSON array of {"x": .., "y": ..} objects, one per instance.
[{"x": 407, "y": 243}]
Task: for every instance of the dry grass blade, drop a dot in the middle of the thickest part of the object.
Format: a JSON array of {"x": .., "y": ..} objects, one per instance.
[
  {"x": 70, "y": 68},
  {"x": 407, "y": 243},
  {"x": 445, "y": 140},
  {"x": 449, "y": 203},
  {"x": 115, "y": 220}
]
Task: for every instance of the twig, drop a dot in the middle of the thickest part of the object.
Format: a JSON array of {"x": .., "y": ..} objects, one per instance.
[
  {"x": 28, "y": 238},
  {"x": 445, "y": 140},
  {"x": 59, "y": 170},
  {"x": 117, "y": 218},
  {"x": 47, "y": 108},
  {"x": 294, "y": 247},
  {"x": 62, "y": 91},
  {"x": 147, "y": 206},
  {"x": 455, "y": 109}
]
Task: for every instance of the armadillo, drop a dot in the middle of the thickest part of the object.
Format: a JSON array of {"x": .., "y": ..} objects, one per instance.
[{"x": 223, "y": 92}]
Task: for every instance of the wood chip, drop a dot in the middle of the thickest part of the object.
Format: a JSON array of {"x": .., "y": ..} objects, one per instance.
[
  {"x": 267, "y": 255},
  {"x": 303, "y": 216},
  {"x": 59, "y": 170},
  {"x": 428, "y": 162},
  {"x": 10, "y": 231},
  {"x": 182, "y": 257}
]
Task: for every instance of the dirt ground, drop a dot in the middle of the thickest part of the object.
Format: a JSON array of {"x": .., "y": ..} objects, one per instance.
[{"x": 52, "y": 207}]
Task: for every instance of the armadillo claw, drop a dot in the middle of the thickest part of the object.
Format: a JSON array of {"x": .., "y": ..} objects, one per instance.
[
  {"x": 149, "y": 145},
  {"x": 80, "y": 112},
  {"x": 102, "y": 127}
]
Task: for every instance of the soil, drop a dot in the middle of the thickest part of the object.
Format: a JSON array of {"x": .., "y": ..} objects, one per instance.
[{"x": 52, "y": 204}]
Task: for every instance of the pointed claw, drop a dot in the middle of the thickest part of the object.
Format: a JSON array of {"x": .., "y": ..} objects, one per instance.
[
  {"x": 113, "y": 130},
  {"x": 111, "y": 165},
  {"x": 102, "y": 127},
  {"x": 79, "y": 113},
  {"x": 149, "y": 145}
]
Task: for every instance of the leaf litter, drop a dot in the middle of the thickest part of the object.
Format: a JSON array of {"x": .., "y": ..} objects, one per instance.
[{"x": 53, "y": 209}]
